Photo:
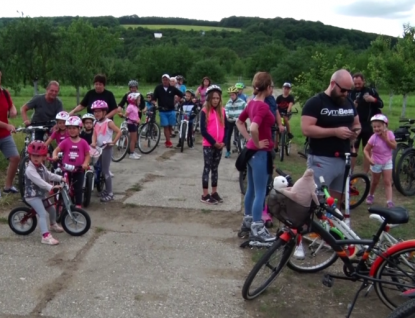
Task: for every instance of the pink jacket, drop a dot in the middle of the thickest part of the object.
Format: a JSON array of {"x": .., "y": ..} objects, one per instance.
[{"x": 213, "y": 127}]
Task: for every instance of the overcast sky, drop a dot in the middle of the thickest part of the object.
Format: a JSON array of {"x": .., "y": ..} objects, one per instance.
[{"x": 378, "y": 16}]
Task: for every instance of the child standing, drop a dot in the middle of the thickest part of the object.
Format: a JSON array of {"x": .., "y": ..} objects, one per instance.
[
  {"x": 60, "y": 133},
  {"x": 37, "y": 186},
  {"x": 103, "y": 131},
  {"x": 76, "y": 153},
  {"x": 190, "y": 110},
  {"x": 212, "y": 127},
  {"x": 233, "y": 109},
  {"x": 378, "y": 152},
  {"x": 133, "y": 120},
  {"x": 88, "y": 129}
]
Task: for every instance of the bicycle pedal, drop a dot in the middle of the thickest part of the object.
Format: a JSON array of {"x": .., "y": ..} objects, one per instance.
[{"x": 328, "y": 281}]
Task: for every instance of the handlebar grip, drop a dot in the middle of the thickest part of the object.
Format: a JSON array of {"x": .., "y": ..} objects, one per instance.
[{"x": 321, "y": 179}]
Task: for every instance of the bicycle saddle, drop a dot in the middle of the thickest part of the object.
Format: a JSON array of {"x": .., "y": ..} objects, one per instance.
[{"x": 396, "y": 215}]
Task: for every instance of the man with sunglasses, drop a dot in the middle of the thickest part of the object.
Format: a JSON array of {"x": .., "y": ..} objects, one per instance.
[
  {"x": 330, "y": 121},
  {"x": 368, "y": 103}
]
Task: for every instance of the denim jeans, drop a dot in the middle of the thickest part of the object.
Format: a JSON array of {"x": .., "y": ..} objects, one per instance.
[{"x": 257, "y": 185}]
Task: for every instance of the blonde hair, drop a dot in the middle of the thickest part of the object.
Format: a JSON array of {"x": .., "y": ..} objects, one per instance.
[{"x": 219, "y": 109}]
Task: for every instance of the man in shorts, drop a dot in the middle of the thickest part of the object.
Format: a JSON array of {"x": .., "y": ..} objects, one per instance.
[
  {"x": 164, "y": 96},
  {"x": 7, "y": 145},
  {"x": 330, "y": 121}
]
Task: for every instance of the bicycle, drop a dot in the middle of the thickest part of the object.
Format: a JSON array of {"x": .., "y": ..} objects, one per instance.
[
  {"x": 149, "y": 133},
  {"x": 407, "y": 309},
  {"x": 294, "y": 223},
  {"x": 406, "y": 166},
  {"x": 238, "y": 140},
  {"x": 68, "y": 213},
  {"x": 306, "y": 149},
  {"x": 184, "y": 134},
  {"x": 122, "y": 145},
  {"x": 284, "y": 143}
]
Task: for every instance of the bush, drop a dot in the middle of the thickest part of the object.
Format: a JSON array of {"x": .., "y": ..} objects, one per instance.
[{"x": 202, "y": 68}]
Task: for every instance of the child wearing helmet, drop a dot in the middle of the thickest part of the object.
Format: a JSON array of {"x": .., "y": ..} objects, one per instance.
[
  {"x": 76, "y": 153},
  {"x": 103, "y": 132},
  {"x": 88, "y": 128},
  {"x": 241, "y": 87},
  {"x": 37, "y": 185},
  {"x": 233, "y": 109},
  {"x": 189, "y": 108},
  {"x": 133, "y": 121},
  {"x": 378, "y": 152},
  {"x": 61, "y": 132}
]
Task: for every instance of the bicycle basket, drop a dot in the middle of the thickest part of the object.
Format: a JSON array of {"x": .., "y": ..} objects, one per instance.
[
  {"x": 402, "y": 134},
  {"x": 288, "y": 211},
  {"x": 95, "y": 153}
]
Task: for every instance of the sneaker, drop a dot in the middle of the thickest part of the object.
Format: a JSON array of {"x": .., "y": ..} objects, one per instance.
[
  {"x": 134, "y": 156},
  {"x": 10, "y": 190},
  {"x": 290, "y": 135},
  {"x": 215, "y": 196},
  {"x": 299, "y": 251},
  {"x": 56, "y": 228},
  {"x": 260, "y": 232},
  {"x": 208, "y": 199},
  {"x": 169, "y": 144},
  {"x": 107, "y": 198},
  {"x": 390, "y": 204},
  {"x": 228, "y": 154},
  {"x": 111, "y": 174},
  {"x": 369, "y": 199},
  {"x": 49, "y": 240},
  {"x": 245, "y": 226}
]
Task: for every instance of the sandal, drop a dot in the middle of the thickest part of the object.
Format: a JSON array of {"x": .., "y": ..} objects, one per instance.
[{"x": 107, "y": 198}]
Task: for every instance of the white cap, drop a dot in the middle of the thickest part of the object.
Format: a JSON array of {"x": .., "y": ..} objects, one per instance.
[
  {"x": 286, "y": 84},
  {"x": 166, "y": 75}
]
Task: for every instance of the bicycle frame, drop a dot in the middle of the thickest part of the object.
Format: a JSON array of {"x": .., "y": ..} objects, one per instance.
[{"x": 184, "y": 119}]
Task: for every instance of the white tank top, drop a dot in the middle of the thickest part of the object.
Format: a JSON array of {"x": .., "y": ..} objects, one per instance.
[{"x": 104, "y": 133}]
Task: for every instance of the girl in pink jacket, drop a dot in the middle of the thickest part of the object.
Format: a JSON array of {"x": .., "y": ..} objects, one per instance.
[{"x": 212, "y": 127}]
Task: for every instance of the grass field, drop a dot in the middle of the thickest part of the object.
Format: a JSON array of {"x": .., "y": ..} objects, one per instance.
[{"x": 157, "y": 27}]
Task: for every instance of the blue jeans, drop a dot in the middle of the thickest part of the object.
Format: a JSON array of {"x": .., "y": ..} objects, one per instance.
[{"x": 257, "y": 185}]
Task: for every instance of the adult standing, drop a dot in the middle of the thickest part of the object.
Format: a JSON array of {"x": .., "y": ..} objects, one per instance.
[
  {"x": 7, "y": 145},
  {"x": 258, "y": 155},
  {"x": 45, "y": 106},
  {"x": 368, "y": 103},
  {"x": 201, "y": 90},
  {"x": 133, "y": 88},
  {"x": 164, "y": 96},
  {"x": 98, "y": 93}
]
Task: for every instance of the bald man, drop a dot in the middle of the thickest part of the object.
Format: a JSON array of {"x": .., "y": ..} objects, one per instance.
[{"x": 331, "y": 122}]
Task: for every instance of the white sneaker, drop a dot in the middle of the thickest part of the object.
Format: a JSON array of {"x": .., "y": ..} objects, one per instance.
[
  {"x": 56, "y": 228},
  {"x": 299, "y": 252},
  {"x": 49, "y": 240},
  {"x": 134, "y": 156},
  {"x": 111, "y": 175}
]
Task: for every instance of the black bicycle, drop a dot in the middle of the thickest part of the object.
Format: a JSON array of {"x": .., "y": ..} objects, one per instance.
[
  {"x": 284, "y": 143},
  {"x": 306, "y": 149},
  {"x": 149, "y": 133}
]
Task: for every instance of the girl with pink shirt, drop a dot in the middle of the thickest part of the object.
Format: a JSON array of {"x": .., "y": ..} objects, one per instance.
[
  {"x": 61, "y": 133},
  {"x": 133, "y": 121},
  {"x": 76, "y": 153},
  {"x": 378, "y": 152},
  {"x": 212, "y": 127},
  {"x": 201, "y": 91}
]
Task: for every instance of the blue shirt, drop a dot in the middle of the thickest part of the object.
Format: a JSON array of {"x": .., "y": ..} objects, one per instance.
[
  {"x": 243, "y": 97},
  {"x": 149, "y": 106},
  {"x": 183, "y": 88},
  {"x": 272, "y": 103}
]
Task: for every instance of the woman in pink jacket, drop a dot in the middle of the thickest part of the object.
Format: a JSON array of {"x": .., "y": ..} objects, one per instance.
[{"x": 212, "y": 127}]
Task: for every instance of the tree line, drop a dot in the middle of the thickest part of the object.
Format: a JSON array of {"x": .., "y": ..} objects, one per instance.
[{"x": 72, "y": 50}]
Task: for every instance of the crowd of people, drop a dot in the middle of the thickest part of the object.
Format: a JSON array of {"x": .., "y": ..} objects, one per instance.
[{"x": 347, "y": 111}]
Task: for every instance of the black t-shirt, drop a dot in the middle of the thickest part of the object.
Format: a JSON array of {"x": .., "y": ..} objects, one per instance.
[
  {"x": 87, "y": 137},
  {"x": 92, "y": 96},
  {"x": 165, "y": 97},
  {"x": 329, "y": 115},
  {"x": 366, "y": 110},
  {"x": 284, "y": 102}
]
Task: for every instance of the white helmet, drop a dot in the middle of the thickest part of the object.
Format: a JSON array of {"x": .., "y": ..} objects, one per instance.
[
  {"x": 280, "y": 182},
  {"x": 88, "y": 116},
  {"x": 62, "y": 116},
  {"x": 74, "y": 121},
  {"x": 213, "y": 88},
  {"x": 132, "y": 97}
]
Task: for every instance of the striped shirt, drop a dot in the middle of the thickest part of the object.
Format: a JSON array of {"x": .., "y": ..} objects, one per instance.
[{"x": 234, "y": 108}]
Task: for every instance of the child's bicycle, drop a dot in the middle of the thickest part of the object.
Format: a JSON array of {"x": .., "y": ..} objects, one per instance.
[
  {"x": 407, "y": 309},
  {"x": 122, "y": 146},
  {"x": 23, "y": 220},
  {"x": 284, "y": 143},
  {"x": 149, "y": 133},
  {"x": 184, "y": 133}
]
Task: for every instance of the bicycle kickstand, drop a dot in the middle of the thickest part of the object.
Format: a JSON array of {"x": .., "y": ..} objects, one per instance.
[{"x": 351, "y": 306}]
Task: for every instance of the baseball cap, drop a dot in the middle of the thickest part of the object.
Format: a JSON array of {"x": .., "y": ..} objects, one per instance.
[
  {"x": 286, "y": 84},
  {"x": 166, "y": 75}
]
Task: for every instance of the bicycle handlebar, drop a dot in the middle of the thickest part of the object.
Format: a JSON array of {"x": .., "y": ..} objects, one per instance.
[{"x": 407, "y": 120}]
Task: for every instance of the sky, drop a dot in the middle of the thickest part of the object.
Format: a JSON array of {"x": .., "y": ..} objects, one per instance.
[{"x": 377, "y": 16}]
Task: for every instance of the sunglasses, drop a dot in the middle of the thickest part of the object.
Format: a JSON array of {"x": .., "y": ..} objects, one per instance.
[{"x": 342, "y": 89}]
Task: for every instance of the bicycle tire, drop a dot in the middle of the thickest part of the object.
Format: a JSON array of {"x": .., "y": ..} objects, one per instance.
[
  {"x": 66, "y": 218},
  {"x": 282, "y": 146},
  {"x": 378, "y": 275},
  {"x": 242, "y": 177},
  {"x": 182, "y": 136},
  {"x": 406, "y": 310},
  {"x": 279, "y": 244},
  {"x": 124, "y": 142},
  {"x": 365, "y": 192},
  {"x": 21, "y": 176},
  {"x": 288, "y": 148},
  {"x": 400, "y": 166},
  {"x": 152, "y": 129},
  {"x": 191, "y": 137},
  {"x": 26, "y": 210},
  {"x": 89, "y": 179},
  {"x": 396, "y": 155}
]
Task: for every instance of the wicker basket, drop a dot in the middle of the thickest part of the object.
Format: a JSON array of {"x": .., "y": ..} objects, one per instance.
[{"x": 287, "y": 211}]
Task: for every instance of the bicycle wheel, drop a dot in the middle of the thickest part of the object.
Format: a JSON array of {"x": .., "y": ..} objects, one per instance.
[
  {"x": 282, "y": 146},
  {"x": 243, "y": 180},
  {"x": 22, "y": 217},
  {"x": 89, "y": 179},
  {"x": 288, "y": 148},
  {"x": 280, "y": 248},
  {"x": 150, "y": 138},
  {"x": 24, "y": 161},
  {"x": 241, "y": 142},
  {"x": 399, "y": 267},
  {"x": 183, "y": 136},
  {"x": 191, "y": 137},
  {"x": 405, "y": 175},
  {"x": 120, "y": 149},
  {"x": 80, "y": 220},
  {"x": 406, "y": 310},
  {"x": 396, "y": 155},
  {"x": 359, "y": 189}
]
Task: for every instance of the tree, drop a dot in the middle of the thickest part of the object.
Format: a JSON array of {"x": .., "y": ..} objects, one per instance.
[
  {"x": 210, "y": 68},
  {"x": 82, "y": 48}
]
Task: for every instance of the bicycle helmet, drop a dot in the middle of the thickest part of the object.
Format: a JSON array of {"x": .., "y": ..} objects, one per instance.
[
  {"x": 132, "y": 83},
  {"x": 240, "y": 85},
  {"x": 74, "y": 121},
  {"x": 191, "y": 92},
  {"x": 88, "y": 116},
  {"x": 380, "y": 117},
  {"x": 132, "y": 97},
  {"x": 37, "y": 148},
  {"x": 233, "y": 89},
  {"x": 149, "y": 94},
  {"x": 62, "y": 116},
  {"x": 286, "y": 84},
  {"x": 179, "y": 77},
  {"x": 99, "y": 104},
  {"x": 213, "y": 88}
]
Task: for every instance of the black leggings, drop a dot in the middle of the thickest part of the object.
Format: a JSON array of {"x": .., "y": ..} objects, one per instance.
[
  {"x": 229, "y": 132},
  {"x": 77, "y": 181},
  {"x": 212, "y": 156}
]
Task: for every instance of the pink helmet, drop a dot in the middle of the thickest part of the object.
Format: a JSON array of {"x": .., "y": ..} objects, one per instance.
[
  {"x": 99, "y": 104},
  {"x": 132, "y": 97},
  {"x": 62, "y": 116},
  {"x": 380, "y": 117},
  {"x": 74, "y": 121}
]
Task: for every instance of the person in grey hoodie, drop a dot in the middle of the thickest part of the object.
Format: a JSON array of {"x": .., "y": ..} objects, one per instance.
[{"x": 37, "y": 186}]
